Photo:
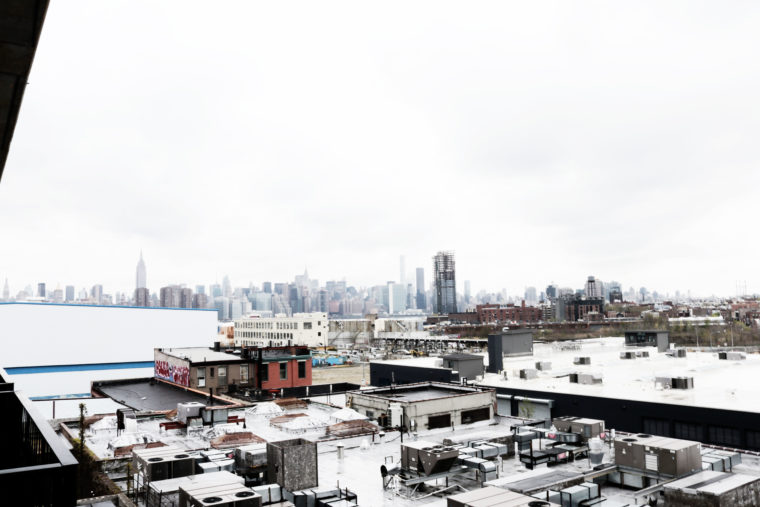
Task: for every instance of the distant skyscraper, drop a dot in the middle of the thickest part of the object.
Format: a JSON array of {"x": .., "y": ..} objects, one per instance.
[
  {"x": 226, "y": 287},
  {"x": 96, "y": 294},
  {"x": 551, "y": 291},
  {"x": 396, "y": 298},
  {"x": 6, "y": 291},
  {"x": 141, "y": 280},
  {"x": 200, "y": 289},
  {"x": 171, "y": 296},
  {"x": 467, "y": 291},
  {"x": 266, "y": 287},
  {"x": 444, "y": 272},
  {"x": 593, "y": 288},
  {"x": 142, "y": 297},
  {"x": 421, "y": 299},
  {"x": 41, "y": 290},
  {"x": 186, "y": 298},
  {"x": 70, "y": 293},
  {"x": 530, "y": 296},
  {"x": 200, "y": 300}
]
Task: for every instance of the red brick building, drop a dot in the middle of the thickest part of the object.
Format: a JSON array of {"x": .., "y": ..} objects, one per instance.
[
  {"x": 215, "y": 370},
  {"x": 499, "y": 314}
]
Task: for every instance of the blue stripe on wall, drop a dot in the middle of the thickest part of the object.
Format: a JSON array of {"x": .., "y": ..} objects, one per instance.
[{"x": 22, "y": 370}]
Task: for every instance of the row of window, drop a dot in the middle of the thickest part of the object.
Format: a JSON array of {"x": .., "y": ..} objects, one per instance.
[
  {"x": 263, "y": 324},
  {"x": 718, "y": 435},
  {"x": 244, "y": 377},
  {"x": 267, "y": 335}
]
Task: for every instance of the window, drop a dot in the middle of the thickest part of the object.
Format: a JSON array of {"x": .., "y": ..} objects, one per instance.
[
  {"x": 319, "y": 333},
  {"x": 265, "y": 372},
  {"x": 243, "y": 373},
  {"x": 222, "y": 375},
  {"x": 307, "y": 325},
  {"x": 724, "y": 436},
  {"x": 211, "y": 372},
  {"x": 283, "y": 371},
  {"x": 439, "y": 421},
  {"x": 479, "y": 414},
  {"x": 659, "y": 427},
  {"x": 688, "y": 431},
  {"x": 753, "y": 440},
  {"x": 201, "y": 377},
  {"x": 301, "y": 369}
]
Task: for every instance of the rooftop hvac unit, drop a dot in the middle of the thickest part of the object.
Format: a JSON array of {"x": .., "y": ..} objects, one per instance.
[
  {"x": 627, "y": 355},
  {"x": 188, "y": 410},
  {"x": 218, "y": 495},
  {"x": 589, "y": 378},
  {"x": 722, "y": 355},
  {"x": 573, "y": 378},
  {"x": 159, "y": 463},
  {"x": 642, "y": 353},
  {"x": 682, "y": 383},
  {"x": 528, "y": 373},
  {"x": 427, "y": 458},
  {"x": 582, "y": 360},
  {"x": 543, "y": 365},
  {"x": 736, "y": 356}
]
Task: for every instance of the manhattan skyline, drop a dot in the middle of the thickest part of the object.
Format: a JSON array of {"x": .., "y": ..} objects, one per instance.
[{"x": 339, "y": 156}]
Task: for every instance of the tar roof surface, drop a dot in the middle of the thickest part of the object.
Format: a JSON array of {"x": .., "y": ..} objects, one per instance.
[{"x": 145, "y": 395}]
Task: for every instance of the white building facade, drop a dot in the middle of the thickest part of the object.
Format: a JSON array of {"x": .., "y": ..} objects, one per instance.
[{"x": 310, "y": 329}]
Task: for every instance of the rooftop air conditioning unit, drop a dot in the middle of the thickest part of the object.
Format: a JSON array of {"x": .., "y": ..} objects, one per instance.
[
  {"x": 582, "y": 360},
  {"x": 218, "y": 495},
  {"x": 736, "y": 356},
  {"x": 682, "y": 383},
  {"x": 188, "y": 410},
  {"x": 159, "y": 463},
  {"x": 642, "y": 353},
  {"x": 573, "y": 378},
  {"x": 528, "y": 373},
  {"x": 627, "y": 355},
  {"x": 543, "y": 365}
]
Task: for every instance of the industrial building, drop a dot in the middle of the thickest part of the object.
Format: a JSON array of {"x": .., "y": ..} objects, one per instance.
[
  {"x": 692, "y": 394},
  {"x": 211, "y": 369},
  {"x": 425, "y": 405},
  {"x": 310, "y": 329}
]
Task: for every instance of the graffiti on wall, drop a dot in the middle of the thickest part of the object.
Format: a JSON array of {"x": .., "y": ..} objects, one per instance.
[{"x": 179, "y": 374}]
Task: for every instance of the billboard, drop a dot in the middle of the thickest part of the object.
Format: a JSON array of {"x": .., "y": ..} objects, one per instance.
[{"x": 41, "y": 334}]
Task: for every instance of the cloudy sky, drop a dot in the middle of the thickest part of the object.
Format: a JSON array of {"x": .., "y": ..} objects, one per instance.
[{"x": 541, "y": 141}]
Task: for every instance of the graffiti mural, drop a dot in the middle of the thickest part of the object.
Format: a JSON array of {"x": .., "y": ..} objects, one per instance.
[{"x": 179, "y": 374}]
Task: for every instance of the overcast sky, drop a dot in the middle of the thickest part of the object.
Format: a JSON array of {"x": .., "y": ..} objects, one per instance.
[{"x": 541, "y": 141}]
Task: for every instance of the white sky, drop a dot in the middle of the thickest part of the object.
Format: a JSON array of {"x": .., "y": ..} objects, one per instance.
[{"x": 541, "y": 141}]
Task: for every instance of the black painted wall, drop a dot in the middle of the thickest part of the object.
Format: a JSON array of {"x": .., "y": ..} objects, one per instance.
[
  {"x": 731, "y": 428},
  {"x": 380, "y": 374}
]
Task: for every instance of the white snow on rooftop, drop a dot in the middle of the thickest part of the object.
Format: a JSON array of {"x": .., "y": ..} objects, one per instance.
[{"x": 717, "y": 383}]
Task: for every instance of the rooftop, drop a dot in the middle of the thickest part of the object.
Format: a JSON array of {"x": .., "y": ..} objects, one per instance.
[
  {"x": 149, "y": 394},
  {"x": 419, "y": 392},
  {"x": 717, "y": 383},
  {"x": 200, "y": 354}
]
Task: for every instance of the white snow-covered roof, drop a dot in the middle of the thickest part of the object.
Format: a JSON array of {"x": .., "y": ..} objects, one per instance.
[{"x": 717, "y": 383}]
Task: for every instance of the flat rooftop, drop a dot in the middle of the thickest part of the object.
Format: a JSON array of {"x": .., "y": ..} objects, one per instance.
[
  {"x": 150, "y": 394},
  {"x": 724, "y": 384},
  {"x": 200, "y": 354},
  {"x": 423, "y": 391}
]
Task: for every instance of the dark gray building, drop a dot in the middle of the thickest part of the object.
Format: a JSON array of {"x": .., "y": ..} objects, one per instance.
[
  {"x": 421, "y": 299},
  {"x": 512, "y": 343},
  {"x": 648, "y": 338},
  {"x": 293, "y": 464},
  {"x": 469, "y": 366},
  {"x": 444, "y": 271}
]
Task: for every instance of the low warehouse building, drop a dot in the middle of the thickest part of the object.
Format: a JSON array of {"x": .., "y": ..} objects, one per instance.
[{"x": 425, "y": 405}]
